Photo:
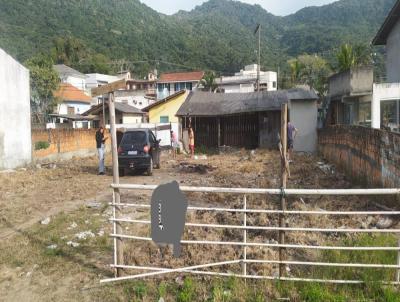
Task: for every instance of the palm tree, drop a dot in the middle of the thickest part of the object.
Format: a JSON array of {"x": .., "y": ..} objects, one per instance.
[
  {"x": 350, "y": 56},
  {"x": 208, "y": 81},
  {"x": 295, "y": 70}
]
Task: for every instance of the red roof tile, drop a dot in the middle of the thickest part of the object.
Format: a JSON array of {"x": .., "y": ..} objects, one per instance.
[
  {"x": 182, "y": 76},
  {"x": 67, "y": 92}
]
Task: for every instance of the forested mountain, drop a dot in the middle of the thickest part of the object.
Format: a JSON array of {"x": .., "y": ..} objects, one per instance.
[{"x": 218, "y": 35}]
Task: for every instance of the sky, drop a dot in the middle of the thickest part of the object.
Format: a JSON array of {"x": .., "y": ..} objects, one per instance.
[{"x": 277, "y": 7}]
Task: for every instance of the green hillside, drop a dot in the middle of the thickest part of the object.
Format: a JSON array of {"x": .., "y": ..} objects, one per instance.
[{"x": 217, "y": 35}]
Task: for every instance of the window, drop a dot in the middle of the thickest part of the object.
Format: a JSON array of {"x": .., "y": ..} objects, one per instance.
[
  {"x": 183, "y": 86},
  {"x": 390, "y": 114},
  {"x": 164, "y": 119},
  {"x": 274, "y": 84},
  {"x": 70, "y": 110}
]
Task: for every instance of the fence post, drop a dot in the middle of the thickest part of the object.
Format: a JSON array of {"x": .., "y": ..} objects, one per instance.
[
  {"x": 284, "y": 171},
  {"x": 118, "y": 248},
  {"x": 398, "y": 263},
  {"x": 245, "y": 236}
]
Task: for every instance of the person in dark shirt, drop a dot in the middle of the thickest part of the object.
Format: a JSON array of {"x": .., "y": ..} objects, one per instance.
[{"x": 100, "y": 145}]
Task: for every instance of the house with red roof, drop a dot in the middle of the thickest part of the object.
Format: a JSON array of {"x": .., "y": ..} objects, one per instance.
[{"x": 171, "y": 83}]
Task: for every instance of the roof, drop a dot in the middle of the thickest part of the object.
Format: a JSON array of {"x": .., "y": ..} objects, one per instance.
[
  {"x": 121, "y": 107},
  {"x": 387, "y": 26},
  {"x": 193, "y": 76},
  {"x": 217, "y": 104},
  {"x": 68, "y": 71},
  {"x": 165, "y": 100},
  {"x": 73, "y": 117},
  {"x": 67, "y": 92}
]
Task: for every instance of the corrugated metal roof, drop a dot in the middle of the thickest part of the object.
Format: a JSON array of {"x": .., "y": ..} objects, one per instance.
[{"x": 217, "y": 104}]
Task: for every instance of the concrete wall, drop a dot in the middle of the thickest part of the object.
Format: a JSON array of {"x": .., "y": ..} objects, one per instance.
[
  {"x": 352, "y": 82},
  {"x": 304, "y": 116},
  {"x": 79, "y": 107},
  {"x": 15, "y": 120},
  {"x": 393, "y": 55},
  {"x": 382, "y": 92},
  {"x": 368, "y": 156},
  {"x": 65, "y": 144}
]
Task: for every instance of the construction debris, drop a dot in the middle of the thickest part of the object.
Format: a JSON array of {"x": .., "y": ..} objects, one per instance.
[
  {"x": 45, "y": 221},
  {"x": 85, "y": 235}
]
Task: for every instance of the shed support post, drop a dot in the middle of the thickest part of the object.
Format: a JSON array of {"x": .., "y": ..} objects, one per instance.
[{"x": 219, "y": 132}]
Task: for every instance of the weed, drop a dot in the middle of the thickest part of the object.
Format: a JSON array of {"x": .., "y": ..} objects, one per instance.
[{"x": 188, "y": 291}]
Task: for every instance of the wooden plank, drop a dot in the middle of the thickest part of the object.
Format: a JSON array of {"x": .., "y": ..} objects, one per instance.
[{"x": 109, "y": 88}]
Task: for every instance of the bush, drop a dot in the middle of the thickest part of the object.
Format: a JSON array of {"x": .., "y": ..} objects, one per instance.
[{"x": 41, "y": 145}]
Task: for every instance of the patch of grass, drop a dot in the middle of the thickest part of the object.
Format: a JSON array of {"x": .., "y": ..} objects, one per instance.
[
  {"x": 42, "y": 145},
  {"x": 188, "y": 291}
]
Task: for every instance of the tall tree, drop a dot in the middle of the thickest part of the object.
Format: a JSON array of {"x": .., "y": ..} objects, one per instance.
[
  {"x": 44, "y": 82},
  {"x": 310, "y": 70}
]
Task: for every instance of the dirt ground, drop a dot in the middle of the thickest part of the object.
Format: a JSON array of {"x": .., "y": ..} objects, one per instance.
[{"x": 64, "y": 258}]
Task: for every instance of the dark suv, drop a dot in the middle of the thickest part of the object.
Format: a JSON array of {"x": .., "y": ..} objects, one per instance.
[{"x": 139, "y": 150}]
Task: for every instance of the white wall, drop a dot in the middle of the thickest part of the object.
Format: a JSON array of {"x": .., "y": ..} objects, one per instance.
[
  {"x": 135, "y": 99},
  {"x": 382, "y": 92},
  {"x": 79, "y": 107},
  {"x": 15, "y": 120},
  {"x": 77, "y": 82},
  {"x": 393, "y": 55},
  {"x": 131, "y": 118},
  {"x": 304, "y": 116}
]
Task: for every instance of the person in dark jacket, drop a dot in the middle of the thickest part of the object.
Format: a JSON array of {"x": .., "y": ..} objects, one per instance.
[{"x": 100, "y": 145}]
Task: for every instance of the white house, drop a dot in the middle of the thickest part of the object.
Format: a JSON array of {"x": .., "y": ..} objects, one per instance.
[
  {"x": 95, "y": 80},
  {"x": 245, "y": 81},
  {"x": 386, "y": 96},
  {"x": 171, "y": 83},
  {"x": 15, "y": 114},
  {"x": 72, "y": 104},
  {"x": 138, "y": 93},
  {"x": 71, "y": 76}
]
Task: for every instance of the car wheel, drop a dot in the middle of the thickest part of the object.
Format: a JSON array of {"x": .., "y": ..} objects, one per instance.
[
  {"x": 121, "y": 172},
  {"x": 150, "y": 168}
]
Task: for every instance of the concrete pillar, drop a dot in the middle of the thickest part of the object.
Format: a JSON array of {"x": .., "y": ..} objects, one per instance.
[{"x": 375, "y": 109}]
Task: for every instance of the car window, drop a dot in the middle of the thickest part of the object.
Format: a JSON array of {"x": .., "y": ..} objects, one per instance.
[{"x": 134, "y": 137}]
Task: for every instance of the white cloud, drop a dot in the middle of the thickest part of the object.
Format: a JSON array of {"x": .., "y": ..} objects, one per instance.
[{"x": 277, "y": 7}]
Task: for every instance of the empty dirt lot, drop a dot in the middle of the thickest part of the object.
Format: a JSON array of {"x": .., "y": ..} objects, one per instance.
[{"x": 54, "y": 227}]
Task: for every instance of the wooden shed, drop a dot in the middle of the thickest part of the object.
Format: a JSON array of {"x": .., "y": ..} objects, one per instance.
[{"x": 244, "y": 120}]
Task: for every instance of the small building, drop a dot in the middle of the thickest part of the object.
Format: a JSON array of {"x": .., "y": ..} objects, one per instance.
[
  {"x": 71, "y": 76},
  {"x": 350, "y": 96},
  {"x": 170, "y": 83},
  {"x": 250, "y": 120},
  {"x": 164, "y": 111},
  {"x": 71, "y": 100},
  {"x": 15, "y": 114},
  {"x": 386, "y": 96},
  {"x": 138, "y": 93},
  {"x": 245, "y": 81},
  {"x": 124, "y": 115}
]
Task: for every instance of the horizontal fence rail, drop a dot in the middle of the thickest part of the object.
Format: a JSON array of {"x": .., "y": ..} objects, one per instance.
[{"x": 246, "y": 227}]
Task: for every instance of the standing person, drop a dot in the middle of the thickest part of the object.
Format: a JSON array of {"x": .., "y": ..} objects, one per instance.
[
  {"x": 174, "y": 143},
  {"x": 191, "y": 142},
  {"x": 100, "y": 145},
  {"x": 291, "y": 135}
]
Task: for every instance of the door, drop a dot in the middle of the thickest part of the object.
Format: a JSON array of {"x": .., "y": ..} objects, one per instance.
[{"x": 155, "y": 149}]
